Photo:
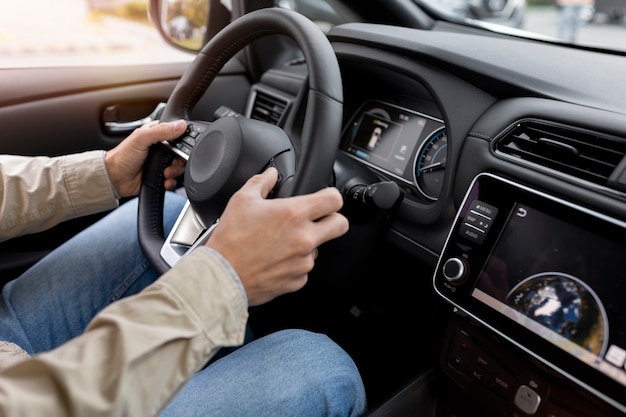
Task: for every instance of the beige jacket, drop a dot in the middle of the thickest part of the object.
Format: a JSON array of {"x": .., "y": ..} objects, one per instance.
[{"x": 138, "y": 352}]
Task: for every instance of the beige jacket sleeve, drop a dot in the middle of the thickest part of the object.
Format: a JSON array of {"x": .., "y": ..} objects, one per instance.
[
  {"x": 37, "y": 193},
  {"x": 138, "y": 352}
]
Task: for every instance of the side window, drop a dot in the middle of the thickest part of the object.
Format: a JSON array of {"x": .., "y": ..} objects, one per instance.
[{"x": 35, "y": 33}]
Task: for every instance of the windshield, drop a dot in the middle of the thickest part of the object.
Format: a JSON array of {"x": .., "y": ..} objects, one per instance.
[
  {"x": 590, "y": 23},
  {"x": 118, "y": 32},
  {"x": 599, "y": 23}
]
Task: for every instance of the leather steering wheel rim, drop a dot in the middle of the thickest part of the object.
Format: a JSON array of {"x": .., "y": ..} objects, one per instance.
[{"x": 321, "y": 128}]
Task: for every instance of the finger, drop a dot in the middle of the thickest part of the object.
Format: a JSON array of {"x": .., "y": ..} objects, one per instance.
[
  {"x": 157, "y": 132},
  {"x": 176, "y": 168},
  {"x": 170, "y": 184},
  {"x": 262, "y": 183},
  {"x": 330, "y": 227},
  {"x": 179, "y": 162},
  {"x": 173, "y": 172},
  {"x": 322, "y": 202}
]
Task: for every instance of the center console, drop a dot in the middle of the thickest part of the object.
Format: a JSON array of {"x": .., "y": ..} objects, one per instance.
[
  {"x": 537, "y": 284},
  {"x": 537, "y": 323}
]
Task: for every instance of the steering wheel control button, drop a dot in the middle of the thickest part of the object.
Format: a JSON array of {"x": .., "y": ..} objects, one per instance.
[
  {"x": 527, "y": 400},
  {"x": 455, "y": 270},
  {"x": 478, "y": 221},
  {"x": 187, "y": 141}
]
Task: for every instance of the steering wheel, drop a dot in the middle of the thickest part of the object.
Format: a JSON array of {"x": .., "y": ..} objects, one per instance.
[{"x": 223, "y": 154}]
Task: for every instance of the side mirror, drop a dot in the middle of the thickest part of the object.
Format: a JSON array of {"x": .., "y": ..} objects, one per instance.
[{"x": 188, "y": 24}]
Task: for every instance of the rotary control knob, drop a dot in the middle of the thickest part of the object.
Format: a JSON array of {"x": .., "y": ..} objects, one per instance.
[{"x": 455, "y": 270}]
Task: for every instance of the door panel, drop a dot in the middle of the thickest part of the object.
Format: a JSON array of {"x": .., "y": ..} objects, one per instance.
[
  {"x": 61, "y": 110},
  {"x": 53, "y": 111}
]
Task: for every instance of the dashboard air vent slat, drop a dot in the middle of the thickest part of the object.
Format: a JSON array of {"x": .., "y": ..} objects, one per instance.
[
  {"x": 268, "y": 108},
  {"x": 586, "y": 155}
]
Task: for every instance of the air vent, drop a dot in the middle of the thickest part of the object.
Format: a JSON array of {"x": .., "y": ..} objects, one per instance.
[
  {"x": 268, "y": 108},
  {"x": 583, "y": 154}
]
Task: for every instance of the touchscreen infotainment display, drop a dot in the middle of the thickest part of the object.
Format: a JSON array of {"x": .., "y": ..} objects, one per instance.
[
  {"x": 561, "y": 282},
  {"x": 547, "y": 274}
]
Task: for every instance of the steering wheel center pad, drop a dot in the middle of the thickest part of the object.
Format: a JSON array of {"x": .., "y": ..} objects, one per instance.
[{"x": 231, "y": 150}]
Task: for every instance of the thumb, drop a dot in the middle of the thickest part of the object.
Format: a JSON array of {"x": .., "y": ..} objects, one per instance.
[
  {"x": 165, "y": 131},
  {"x": 263, "y": 182}
]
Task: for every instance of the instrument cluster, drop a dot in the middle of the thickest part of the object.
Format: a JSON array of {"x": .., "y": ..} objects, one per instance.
[{"x": 408, "y": 145}]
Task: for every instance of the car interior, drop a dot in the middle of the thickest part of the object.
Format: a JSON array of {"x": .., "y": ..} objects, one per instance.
[{"x": 483, "y": 175}]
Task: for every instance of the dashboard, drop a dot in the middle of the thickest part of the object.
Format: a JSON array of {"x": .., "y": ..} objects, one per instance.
[
  {"x": 512, "y": 166},
  {"x": 546, "y": 275},
  {"x": 513, "y": 200}
]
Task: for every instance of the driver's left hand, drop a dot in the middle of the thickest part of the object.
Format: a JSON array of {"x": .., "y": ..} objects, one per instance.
[{"x": 125, "y": 161}]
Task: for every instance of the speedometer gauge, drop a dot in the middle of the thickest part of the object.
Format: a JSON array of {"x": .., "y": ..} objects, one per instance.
[{"x": 430, "y": 164}]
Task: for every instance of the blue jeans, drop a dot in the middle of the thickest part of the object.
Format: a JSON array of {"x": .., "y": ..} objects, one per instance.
[
  {"x": 288, "y": 373},
  {"x": 293, "y": 372},
  {"x": 53, "y": 301}
]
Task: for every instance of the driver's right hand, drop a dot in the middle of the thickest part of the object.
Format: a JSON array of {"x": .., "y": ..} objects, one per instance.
[{"x": 272, "y": 243}]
